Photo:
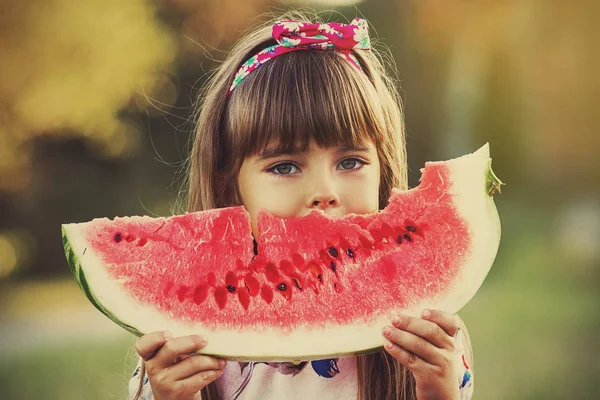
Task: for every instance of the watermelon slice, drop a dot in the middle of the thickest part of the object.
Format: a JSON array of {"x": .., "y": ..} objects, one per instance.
[{"x": 308, "y": 287}]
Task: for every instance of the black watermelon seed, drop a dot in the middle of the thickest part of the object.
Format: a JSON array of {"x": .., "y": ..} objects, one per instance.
[
  {"x": 337, "y": 288},
  {"x": 350, "y": 253},
  {"x": 400, "y": 238},
  {"x": 255, "y": 247},
  {"x": 320, "y": 278},
  {"x": 333, "y": 252},
  {"x": 282, "y": 286},
  {"x": 408, "y": 238},
  {"x": 297, "y": 283},
  {"x": 332, "y": 266},
  {"x": 118, "y": 237},
  {"x": 230, "y": 288},
  {"x": 411, "y": 228}
]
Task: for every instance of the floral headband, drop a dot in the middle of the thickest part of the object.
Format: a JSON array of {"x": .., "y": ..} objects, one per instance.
[{"x": 295, "y": 35}]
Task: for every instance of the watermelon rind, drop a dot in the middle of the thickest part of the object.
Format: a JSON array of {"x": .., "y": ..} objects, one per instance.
[
  {"x": 80, "y": 278},
  {"x": 471, "y": 175}
]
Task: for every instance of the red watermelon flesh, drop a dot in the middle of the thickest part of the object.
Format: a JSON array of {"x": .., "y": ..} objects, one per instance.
[{"x": 314, "y": 277}]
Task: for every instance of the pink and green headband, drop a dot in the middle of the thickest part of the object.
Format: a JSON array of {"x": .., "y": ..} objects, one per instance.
[{"x": 295, "y": 35}]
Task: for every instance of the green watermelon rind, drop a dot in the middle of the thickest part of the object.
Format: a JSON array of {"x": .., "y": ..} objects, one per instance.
[{"x": 79, "y": 275}]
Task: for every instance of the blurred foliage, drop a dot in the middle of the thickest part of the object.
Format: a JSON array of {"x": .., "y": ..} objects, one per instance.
[
  {"x": 95, "y": 106},
  {"x": 68, "y": 77}
]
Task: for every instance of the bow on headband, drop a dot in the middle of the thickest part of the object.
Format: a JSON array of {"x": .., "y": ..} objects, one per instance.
[{"x": 295, "y": 35}]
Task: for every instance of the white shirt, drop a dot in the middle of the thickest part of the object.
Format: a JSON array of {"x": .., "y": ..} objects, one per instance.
[{"x": 322, "y": 379}]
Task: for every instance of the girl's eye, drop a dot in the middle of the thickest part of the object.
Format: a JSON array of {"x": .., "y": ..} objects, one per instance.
[
  {"x": 284, "y": 169},
  {"x": 351, "y": 163}
]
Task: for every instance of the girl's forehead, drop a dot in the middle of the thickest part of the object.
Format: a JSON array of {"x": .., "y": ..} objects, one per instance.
[{"x": 278, "y": 146}]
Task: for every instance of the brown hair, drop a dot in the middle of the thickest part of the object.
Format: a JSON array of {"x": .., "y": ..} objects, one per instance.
[{"x": 290, "y": 100}]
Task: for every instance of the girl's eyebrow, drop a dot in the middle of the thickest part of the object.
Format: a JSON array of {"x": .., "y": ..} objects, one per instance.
[
  {"x": 276, "y": 152},
  {"x": 345, "y": 149}
]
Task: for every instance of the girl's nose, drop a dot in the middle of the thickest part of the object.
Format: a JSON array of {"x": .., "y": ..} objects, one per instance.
[
  {"x": 323, "y": 200},
  {"x": 322, "y": 187}
]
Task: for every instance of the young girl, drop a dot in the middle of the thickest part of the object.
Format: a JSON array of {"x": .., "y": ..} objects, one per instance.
[{"x": 302, "y": 116}]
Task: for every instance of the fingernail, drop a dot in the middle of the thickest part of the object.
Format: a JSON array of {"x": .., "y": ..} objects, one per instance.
[
  {"x": 389, "y": 345},
  {"x": 397, "y": 320},
  {"x": 167, "y": 336},
  {"x": 201, "y": 339},
  {"x": 222, "y": 363},
  {"x": 426, "y": 314},
  {"x": 387, "y": 331}
]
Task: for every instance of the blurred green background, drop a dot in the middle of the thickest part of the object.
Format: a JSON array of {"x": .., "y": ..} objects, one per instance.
[{"x": 95, "y": 117}]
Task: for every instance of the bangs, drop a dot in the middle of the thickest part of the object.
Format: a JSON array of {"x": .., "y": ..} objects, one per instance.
[{"x": 300, "y": 97}]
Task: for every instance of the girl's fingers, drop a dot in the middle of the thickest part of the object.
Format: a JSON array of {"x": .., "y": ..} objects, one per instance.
[
  {"x": 413, "y": 344},
  {"x": 404, "y": 357},
  {"x": 147, "y": 345},
  {"x": 426, "y": 329},
  {"x": 189, "y": 386},
  {"x": 168, "y": 354},
  {"x": 195, "y": 364},
  {"x": 448, "y": 322}
]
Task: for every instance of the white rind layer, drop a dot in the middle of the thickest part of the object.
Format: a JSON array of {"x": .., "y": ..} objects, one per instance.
[
  {"x": 470, "y": 197},
  {"x": 473, "y": 203}
]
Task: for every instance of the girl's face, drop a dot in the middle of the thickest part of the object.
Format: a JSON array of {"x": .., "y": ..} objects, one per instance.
[{"x": 336, "y": 180}]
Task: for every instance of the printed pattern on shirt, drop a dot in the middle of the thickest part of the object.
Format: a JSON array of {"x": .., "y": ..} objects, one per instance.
[
  {"x": 464, "y": 374},
  {"x": 134, "y": 384},
  {"x": 327, "y": 368}
]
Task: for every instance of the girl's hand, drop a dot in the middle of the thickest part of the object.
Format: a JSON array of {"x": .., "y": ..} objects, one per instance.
[
  {"x": 426, "y": 347},
  {"x": 173, "y": 373}
]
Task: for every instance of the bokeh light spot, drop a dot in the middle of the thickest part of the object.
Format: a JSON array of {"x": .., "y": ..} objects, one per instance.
[{"x": 8, "y": 256}]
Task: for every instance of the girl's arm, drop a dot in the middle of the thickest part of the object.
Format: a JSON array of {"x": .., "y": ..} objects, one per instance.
[{"x": 432, "y": 348}]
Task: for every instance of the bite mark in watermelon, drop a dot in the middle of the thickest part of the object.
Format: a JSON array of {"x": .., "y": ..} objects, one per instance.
[{"x": 308, "y": 287}]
